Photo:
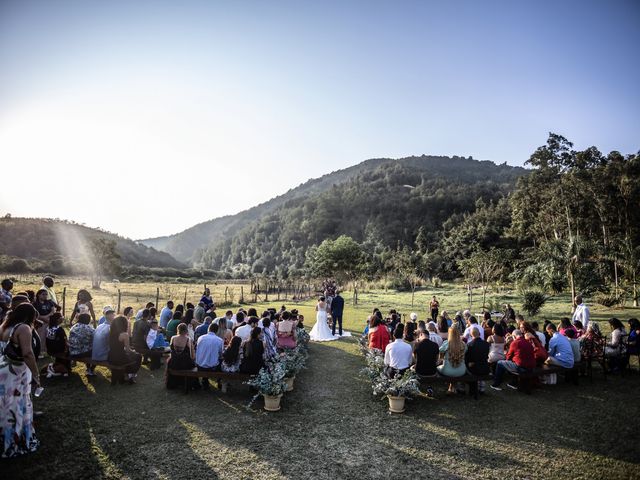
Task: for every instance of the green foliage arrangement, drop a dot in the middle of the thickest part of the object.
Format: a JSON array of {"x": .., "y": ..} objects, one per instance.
[{"x": 533, "y": 302}]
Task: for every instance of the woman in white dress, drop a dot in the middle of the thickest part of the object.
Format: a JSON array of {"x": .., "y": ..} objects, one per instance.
[{"x": 321, "y": 331}]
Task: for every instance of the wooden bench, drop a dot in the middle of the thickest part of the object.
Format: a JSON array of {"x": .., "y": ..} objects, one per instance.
[
  {"x": 527, "y": 380},
  {"x": 219, "y": 376},
  {"x": 155, "y": 357},
  {"x": 117, "y": 371},
  {"x": 468, "y": 378}
]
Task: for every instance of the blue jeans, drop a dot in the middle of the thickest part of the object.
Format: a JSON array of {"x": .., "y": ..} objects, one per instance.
[{"x": 506, "y": 366}]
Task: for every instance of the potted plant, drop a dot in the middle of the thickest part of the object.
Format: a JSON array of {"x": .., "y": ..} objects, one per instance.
[
  {"x": 293, "y": 361},
  {"x": 396, "y": 389},
  {"x": 270, "y": 384}
]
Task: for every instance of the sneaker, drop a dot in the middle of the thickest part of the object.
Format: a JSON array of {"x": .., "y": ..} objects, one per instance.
[
  {"x": 430, "y": 392},
  {"x": 511, "y": 386},
  {"x": 496, "y": 388}
]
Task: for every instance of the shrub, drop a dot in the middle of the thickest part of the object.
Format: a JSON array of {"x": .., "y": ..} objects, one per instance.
[
  {"x": 533, "y": 302},
  {"x": 436, "y": 282},
  {"x": 607, "y": 299}
]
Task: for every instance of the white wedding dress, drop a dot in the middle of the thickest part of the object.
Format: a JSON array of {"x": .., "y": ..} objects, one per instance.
[{"x": 321, "y": 331}]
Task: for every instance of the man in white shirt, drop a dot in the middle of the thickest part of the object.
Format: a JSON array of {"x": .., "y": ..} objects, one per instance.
[
  {"x": 433, "y": 334},
  {"x": 209, "y": 353},
  {"x": 397, "y": 355},
  {"x": 244, "y": 331},
  {"x": 581, "y": 312},
  {"x": 472, "y": 324}
]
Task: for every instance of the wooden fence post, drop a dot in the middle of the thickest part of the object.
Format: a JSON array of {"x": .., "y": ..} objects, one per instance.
[
  {"x": 64, "y": 300},
  {"x": 185, "y": 297},
  {"x": 226, "y": 289},
  {"x": 241, "y": 294},
  {"x": 157, "y": 298},
  {"x": 119, "y": 298}
]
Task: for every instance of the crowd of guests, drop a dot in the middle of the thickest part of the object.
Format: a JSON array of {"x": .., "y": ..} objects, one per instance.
[
  {"x": 454, "y": 347},
  {"x": 236, "y": 342}
]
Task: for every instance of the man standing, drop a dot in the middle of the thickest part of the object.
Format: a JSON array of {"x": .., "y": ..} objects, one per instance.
[
  {"x": 581, "y": 312},
  {"x": 337, "y": 307},
  {"x": 47, "y": 284},
  {"x": 166, "y": 314},
  {"x": 209, "y": 353}
]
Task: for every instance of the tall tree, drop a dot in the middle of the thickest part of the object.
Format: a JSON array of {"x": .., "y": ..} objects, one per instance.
[{"x": 104, "y": 260}]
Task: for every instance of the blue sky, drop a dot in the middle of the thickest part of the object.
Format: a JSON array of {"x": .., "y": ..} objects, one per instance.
[{"x": 195, "y": 109}]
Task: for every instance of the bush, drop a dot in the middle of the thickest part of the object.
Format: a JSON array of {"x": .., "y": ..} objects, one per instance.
[
  {"x": 607, "y": 299},
  {"x": 533, "y": 302},
  {"x": 436, "y": 282}
]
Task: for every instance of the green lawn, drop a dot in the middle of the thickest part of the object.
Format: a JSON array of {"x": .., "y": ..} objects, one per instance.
[{"x": 331, "y": 427}]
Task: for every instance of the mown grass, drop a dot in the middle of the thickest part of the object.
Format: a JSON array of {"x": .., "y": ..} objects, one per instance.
[{"x": 331, "y": 427}]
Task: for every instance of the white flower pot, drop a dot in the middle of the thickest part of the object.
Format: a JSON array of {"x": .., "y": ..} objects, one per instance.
[
  {"x": 396, "y": 404},
  {"x": 272, "y": 403},
  {"x": 289, "y": 382}
]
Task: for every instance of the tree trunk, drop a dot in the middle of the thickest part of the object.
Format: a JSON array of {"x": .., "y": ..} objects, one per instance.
[
  {"x": 615, "y": 271},
  {"x": 413, "y": 293},
  {"x": 484, "y": 296},
  {"x": 573, "y": 291}
]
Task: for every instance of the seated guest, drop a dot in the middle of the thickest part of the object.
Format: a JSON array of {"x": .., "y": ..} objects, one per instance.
[
  {"x": 580, "y": 330},
  {"x": 496, "y": 346},
  {"x": 107, "y": 312},
  {"x": 199, "y": 313},
  {"x": 56, "y": 341},
  {"x": 432, "y": 333},
  {"x": 575, "y": 345},
  {"x": 182, "y": 358},
  {"x": 270, "y": 350},
  {"x": 454, "y": 349},
  {"x": 520, "y": 359},
  {"x": 232, "y": 356},
  {"x": 300, "y": 321},
  {"x": 425, "y": 355},
  {"x": 209, "y": 352},
  {"x": 487, "y": 324},
  {"x": 472, "y": 324},
  {"x": 409, "y": 333},
  {"x": 166, "y": 314},
  {"x": 172, "y": 326},
  {"x": 565, "y": 324},
  {"x": 378, "y": 334},
  {"x": 560, "y": 351},
  {"x": 476, "y": 358},
  {"x": 252, "y": 353},
  {"x": 509, "y": 336},
  {"x": 81, "y": 339},
  {"x": 224, "y": 332},
  {"x": 141, "y": 329},
  {"x": 120, "y": 352},
  {"x": 615, "y": 350},
  {"x": 541, "y": 336},
  {"x": 100, "y": 351},
  {"x": 398, "y": 354},
  {"x": 155, "y": 339},
  {"x": 231, "y": 321},
  {"x": 422, "y": 327},
  {"x": 443, "y": 328},
  {"x": 591, "y": 343},
  {"x": 202, "y": 329},
  {"x": 633, "y": 341},
  {"x": 539, "y": 352},
  {"x": 286, "y": 331},
  {"x": 244, "y": 331}
]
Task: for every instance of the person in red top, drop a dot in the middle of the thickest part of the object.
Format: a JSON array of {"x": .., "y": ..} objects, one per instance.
[
  {"x": 378, "y": 335},
  {"x": 520, "y": 359}
]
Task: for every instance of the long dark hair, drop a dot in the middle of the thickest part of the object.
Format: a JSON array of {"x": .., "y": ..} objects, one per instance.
[
  {"x": 24, "y": 313},
  {"x": 118, "y": 326},
  {"x": 188, "y": 316},
  {"x": 248, "y": 347},
  {"x": 230, "y": 355}
]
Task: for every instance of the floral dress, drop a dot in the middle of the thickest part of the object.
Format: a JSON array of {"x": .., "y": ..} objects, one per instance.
[{"x": 16, "y": 409}]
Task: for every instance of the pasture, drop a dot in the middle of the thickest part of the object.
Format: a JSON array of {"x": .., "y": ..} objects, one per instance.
[{"x": 331, "y": 426}]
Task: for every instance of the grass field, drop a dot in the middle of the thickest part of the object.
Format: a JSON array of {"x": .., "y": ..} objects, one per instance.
[{"x": 330, "y": 426}]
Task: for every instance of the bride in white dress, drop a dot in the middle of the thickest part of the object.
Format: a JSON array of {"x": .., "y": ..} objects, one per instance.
[{"x": 321, "y": 331}]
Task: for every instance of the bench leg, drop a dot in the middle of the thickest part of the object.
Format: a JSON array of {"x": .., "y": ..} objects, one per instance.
[
  {"x": 116, "y": 377},
  {"x": 186, "y": 385}
]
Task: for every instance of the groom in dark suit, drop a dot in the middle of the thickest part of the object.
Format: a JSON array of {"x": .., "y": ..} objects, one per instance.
[{"x": 337, "y": 306}]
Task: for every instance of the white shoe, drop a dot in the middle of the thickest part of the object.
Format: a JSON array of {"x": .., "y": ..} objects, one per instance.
[{"x": 90, "y": 373}]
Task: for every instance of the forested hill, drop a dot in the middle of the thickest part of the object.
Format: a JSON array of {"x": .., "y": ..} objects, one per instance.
[
  {"x": 55, "y": 245},
  {"x": 383, "y": 199}
]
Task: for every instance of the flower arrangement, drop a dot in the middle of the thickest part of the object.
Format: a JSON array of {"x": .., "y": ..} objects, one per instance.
[
  {"x": 269, "y": 381},
  {"x": 302, "y": 337},
  {"x": 405, "y": 385},
  {"x": 294, "y": 360}
]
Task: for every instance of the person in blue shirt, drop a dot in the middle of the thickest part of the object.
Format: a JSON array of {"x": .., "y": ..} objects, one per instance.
[
  {"x": 201, "y": 329},
  {"x": 560, "y": 351},
  {"x": 209, "y": 352},
  {"x": 108, "y": 314},
  {"x": 166, "y": 314}
]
